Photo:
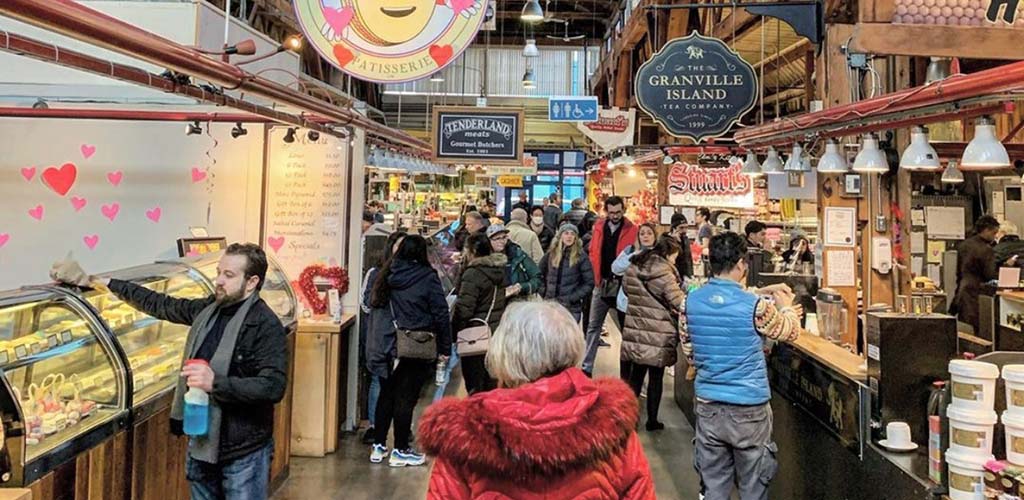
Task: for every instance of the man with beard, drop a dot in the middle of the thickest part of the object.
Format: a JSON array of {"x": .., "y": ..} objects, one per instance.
[{"x": 237, "y": 353}]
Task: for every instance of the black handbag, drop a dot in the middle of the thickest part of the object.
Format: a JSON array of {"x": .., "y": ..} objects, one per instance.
[
  {"x": 610, "y": 287},
  {"x": 413, "y": 344}
]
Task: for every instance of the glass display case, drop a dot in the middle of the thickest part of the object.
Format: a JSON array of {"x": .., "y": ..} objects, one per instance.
[
  {"x": 63, "y": 376},
  {"x": 277, "y": 291},
  {"x": 152, "y": 348}
]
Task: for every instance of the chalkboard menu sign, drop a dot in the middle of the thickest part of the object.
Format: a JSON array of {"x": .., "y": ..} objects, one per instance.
[
  {"x": 696, "y": 87},
  {"x": 492, "y": 136}
]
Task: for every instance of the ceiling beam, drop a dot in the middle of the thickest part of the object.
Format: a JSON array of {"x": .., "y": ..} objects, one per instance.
[
  {"x": 969, "y": 42},
  {"x": 740, "y": 18}
]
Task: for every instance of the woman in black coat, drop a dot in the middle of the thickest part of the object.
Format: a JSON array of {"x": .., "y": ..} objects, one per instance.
[
  {"x": 406, "y": 294},
  {"x": 566, "y": 273},
  {"x": 480, "y": 295}
]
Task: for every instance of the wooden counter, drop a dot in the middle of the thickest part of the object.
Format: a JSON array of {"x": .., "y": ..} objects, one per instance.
[
  {"x": 1012, "y": 295},
  {"x": 321, "y": 355},
  {"x": 15, "y": 494},
  {"x": 845, "y": 362}
]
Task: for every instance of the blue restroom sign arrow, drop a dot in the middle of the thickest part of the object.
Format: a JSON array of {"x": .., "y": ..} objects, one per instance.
[{"x": 573, "y": 109}]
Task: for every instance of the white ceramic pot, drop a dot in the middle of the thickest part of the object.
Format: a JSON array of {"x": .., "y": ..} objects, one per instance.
[
  {"x": 1013, "y": 422},
  {"x": 970, "y": 431},
  {"x": 966, "y": 476},
  {"x": 1013, "y": 375}
]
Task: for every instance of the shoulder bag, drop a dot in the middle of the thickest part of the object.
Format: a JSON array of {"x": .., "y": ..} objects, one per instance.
[
  {"x": 475, "y": 340},
  {"x": 413, "y": 344}
]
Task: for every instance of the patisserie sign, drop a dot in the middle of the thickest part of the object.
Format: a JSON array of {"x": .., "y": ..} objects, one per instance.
[
  {"x": 389, "y": 41},
  {"x": 696, "y": 87},
  {"x": 692, "y": 185}
]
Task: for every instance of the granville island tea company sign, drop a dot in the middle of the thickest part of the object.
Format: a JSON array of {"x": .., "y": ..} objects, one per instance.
[
  {"x": 696, "y": 87},
  {"x": 493, "y": 136}
]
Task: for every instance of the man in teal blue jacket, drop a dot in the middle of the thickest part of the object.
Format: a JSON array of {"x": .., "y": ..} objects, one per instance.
[{"x": 723, "y": 330}]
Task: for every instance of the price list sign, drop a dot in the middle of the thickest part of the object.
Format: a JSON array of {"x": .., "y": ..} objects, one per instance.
[{"x": 305, "y": 202}]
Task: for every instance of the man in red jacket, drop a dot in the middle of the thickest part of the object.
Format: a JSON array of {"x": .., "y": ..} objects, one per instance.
[{"x": 611, "y": 235}]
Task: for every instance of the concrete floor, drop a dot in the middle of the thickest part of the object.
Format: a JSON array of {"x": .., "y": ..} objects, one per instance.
[{"x": 349, "y": 474}]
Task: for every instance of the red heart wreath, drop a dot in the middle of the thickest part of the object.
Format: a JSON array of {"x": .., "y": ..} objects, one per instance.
[{"x": 336, "y": 275}]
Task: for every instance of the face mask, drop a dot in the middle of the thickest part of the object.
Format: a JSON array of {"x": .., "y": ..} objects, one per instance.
[{"x": 538, "y": 219}]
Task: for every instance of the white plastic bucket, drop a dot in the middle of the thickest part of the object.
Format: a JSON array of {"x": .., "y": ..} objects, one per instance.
[
  {"x": 1014, "y": 425},
  {"x": 970, "y": 431},
  {"x": 973, "y": 384},
  {"x": 1014, "y": 377},
  {"x": 966, "y": 476}
]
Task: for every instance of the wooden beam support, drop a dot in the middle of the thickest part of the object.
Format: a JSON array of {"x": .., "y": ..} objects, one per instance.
[
  {"x": 742, "y": 20},
  {"x": 968, "y": 42}
]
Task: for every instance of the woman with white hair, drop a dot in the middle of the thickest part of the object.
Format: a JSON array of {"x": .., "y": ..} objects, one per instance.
[
  {"x": 548, "y": 432},
  {"x": 1009, "y": 247}
]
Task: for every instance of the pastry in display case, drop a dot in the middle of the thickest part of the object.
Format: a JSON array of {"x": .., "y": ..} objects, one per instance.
[
  {"x": 276, "y": 292},
  {"x": 63, "y": 380},
  {"x": 153, "y": 348}
]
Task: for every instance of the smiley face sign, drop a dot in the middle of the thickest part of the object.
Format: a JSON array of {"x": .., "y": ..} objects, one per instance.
[{"x": 390, "y": 41}]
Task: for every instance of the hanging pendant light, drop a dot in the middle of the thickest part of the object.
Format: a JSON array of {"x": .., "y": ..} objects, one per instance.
[
  {"x": 437, "y": 77},
  {"x": 920, "y": 155},
  {"x": 952, "y": 175},
  {"x": 668, "y": 160},
  {"x": 984, "y": 152},
  {"x": 795, "y": 163},
  {"x": 528, "y": 80},
  {"x": 870, "y": 159},
  {"x": 530, "y": 50},
  {"x": 833, "y": 162},
  {"x": 938, "y": 69},
  {"x": 532, "y": 12},
  {"x": 772, "y": 164},
  {"x": 752, "y": 167}
]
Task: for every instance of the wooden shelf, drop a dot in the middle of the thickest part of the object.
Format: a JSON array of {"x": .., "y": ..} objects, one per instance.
[{"x": 845, "y": 362}]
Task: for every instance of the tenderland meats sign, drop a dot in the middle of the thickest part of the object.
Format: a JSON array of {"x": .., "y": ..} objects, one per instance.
[
  {"x": 696, "y": 87},
  {"x": 695, "y": 186},
  {"x": 478, "y": 135}
]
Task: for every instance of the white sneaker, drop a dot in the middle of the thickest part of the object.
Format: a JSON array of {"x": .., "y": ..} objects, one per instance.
[
  {"x": 671, "y": 371},
  {"x": 378, "y": 453},
  {"x": 406, "y": 458}
]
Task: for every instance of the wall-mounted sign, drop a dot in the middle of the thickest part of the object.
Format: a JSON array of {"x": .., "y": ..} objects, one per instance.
[
  {"x": 613, "y": 128},
  {"x": 495, "y": 171},
  {"x": 492, "y": 136},
  {"x": 510, "y": 181},
  {"x": 695, "y": 186},
  {"x": 573, "y": 109},
  {"x": 390, "y": 42},
  {"x": 696, "y": 87}
]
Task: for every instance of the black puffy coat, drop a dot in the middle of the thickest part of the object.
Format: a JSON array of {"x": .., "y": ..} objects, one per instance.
[
  {"x": 418, "y": 302},
  {"x": 568, "y": 284},
  {"x": 483, "y": 281}
]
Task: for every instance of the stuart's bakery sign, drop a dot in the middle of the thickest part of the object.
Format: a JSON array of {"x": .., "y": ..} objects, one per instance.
[
  {"x": 696, "y": 87},
  {"x": 388, "y": 41},
  {"x": 481, "y": 135},
  {"x": 696, "y": 186}
]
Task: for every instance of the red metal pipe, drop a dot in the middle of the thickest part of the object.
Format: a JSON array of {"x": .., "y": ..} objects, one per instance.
[
  {"x": 133, "y": 115},
  {"x": 1006, "y": 78},
  {"x": 82, "y": 23},
  {"x": 46, "y": 52}
]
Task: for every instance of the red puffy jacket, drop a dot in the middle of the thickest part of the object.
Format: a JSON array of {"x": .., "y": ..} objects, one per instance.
[{"x": 561, "y": 437}]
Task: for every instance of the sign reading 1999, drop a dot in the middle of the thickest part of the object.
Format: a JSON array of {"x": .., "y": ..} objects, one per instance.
[
  {"x": 492, "y": 136},
  {"x": 696, "y": 87}
]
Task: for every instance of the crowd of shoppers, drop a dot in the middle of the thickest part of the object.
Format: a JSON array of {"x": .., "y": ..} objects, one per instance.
[{"x": 535, "y": 424}]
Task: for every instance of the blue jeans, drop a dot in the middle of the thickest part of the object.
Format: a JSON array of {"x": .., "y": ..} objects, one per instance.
[
  {"x": 452, "y": 361},
  {"x": 244, "y": 478},
  {"x": 371, "y": 398},
  {"x": 599, "y": 308}
]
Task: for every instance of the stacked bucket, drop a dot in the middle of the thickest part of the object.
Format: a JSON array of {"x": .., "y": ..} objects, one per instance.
[{"x": 972, "y": 419}]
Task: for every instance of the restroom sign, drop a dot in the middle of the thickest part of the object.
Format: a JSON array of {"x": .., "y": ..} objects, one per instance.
[
  {"x": 386, "y": 41},
  {"x": 573, "y": 109}
]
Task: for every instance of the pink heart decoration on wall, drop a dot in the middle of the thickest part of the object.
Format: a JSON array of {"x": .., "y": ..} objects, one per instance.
[
  {"x": 37, "y": 212},
  {"x": 28, "y": 173},
  {"x": 78, "y": 203},
  {"x": 60, "y": 180},
  {"x": 88, "y": 150},
  {"x": 4, "y": 238},
  {"x": 197, "y": 175},
  {"x": 110, "y": 211},
  {"x": 275, "y": 242},
  {"x": 91, "y": 241},
  {"x": 154, "y": 214},
  {"x": 115, "y": 177}
]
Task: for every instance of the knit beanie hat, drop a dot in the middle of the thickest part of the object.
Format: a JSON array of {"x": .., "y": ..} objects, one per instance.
[{"x": 568, "y": 226}]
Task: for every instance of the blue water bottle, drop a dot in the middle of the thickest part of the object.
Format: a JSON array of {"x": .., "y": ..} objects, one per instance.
[{"x": 197, "y": 407}]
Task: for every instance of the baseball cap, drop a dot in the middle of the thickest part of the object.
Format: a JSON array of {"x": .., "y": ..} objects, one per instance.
[{"x": 494, "y": 229}]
